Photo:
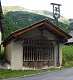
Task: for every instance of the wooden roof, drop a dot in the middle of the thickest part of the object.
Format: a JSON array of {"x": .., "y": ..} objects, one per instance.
[{"x": 43, "y": 23}]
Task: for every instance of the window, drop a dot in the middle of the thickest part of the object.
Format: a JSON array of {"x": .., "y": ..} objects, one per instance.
[{"x": 38, "y": 50}]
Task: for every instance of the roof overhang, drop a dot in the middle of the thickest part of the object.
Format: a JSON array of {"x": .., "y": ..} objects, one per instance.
[{"x": 44, "y": 23}]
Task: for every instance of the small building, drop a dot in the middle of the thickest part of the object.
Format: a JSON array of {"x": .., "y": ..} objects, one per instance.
[
  {"x": 70, "y": 41},
  {"x": 38, "y": 46}
]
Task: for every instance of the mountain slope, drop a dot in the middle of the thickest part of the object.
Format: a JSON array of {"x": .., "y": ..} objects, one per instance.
[
  {"x": 19, "y": 19},
  {"x": 15, "y": 18}
]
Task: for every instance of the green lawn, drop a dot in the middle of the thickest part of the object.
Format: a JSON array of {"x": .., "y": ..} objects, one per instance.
[{"x": 17, "y": 73}]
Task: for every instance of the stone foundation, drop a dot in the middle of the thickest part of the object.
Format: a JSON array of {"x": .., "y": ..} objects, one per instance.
[{"x": 37, "y": 64}]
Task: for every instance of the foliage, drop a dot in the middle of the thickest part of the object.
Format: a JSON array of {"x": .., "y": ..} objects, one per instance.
[
  {"x": 68, "y": 56},
  {"x": 68, "y": 64},
  {"x": 63, "y": 26},
  {"x": 71, "y": 26},
  {"x": 16, "y": 17},
  {"x": 20, "y": 19}
]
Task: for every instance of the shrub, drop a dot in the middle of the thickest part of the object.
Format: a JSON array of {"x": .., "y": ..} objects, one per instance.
[{"x": 68, "y": 55}]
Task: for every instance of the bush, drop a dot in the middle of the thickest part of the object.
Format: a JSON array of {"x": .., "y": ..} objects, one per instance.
[
  {"x": 68, "y": 64},
  {"x": 68, "y": 56}
]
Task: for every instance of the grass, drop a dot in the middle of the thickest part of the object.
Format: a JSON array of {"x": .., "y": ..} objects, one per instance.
[
  {"x": 54, "y": 69},
  {"x": 17, "y": 73}
]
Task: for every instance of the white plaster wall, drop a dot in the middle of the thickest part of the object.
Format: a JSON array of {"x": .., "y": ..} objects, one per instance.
[
  {"x": 16, "y": 56},
  {"x": 60, "y": 51},
  {"x": 8, "y": 52},
  {"x": 55, "y": 54}
]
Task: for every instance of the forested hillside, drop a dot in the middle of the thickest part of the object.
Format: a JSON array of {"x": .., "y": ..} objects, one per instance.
[{"x": 16, "y": 18}]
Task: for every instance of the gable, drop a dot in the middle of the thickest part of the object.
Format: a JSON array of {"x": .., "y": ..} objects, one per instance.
[
  {"x": 38, "y": 33},
  {"x": 44, "y": 24},
  {"x": 49, "y": 35}
]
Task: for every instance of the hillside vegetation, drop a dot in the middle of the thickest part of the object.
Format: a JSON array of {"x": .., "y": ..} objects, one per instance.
[
  {"x": 68, "y": 56},
  {"x": 17, "y": 17}
]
